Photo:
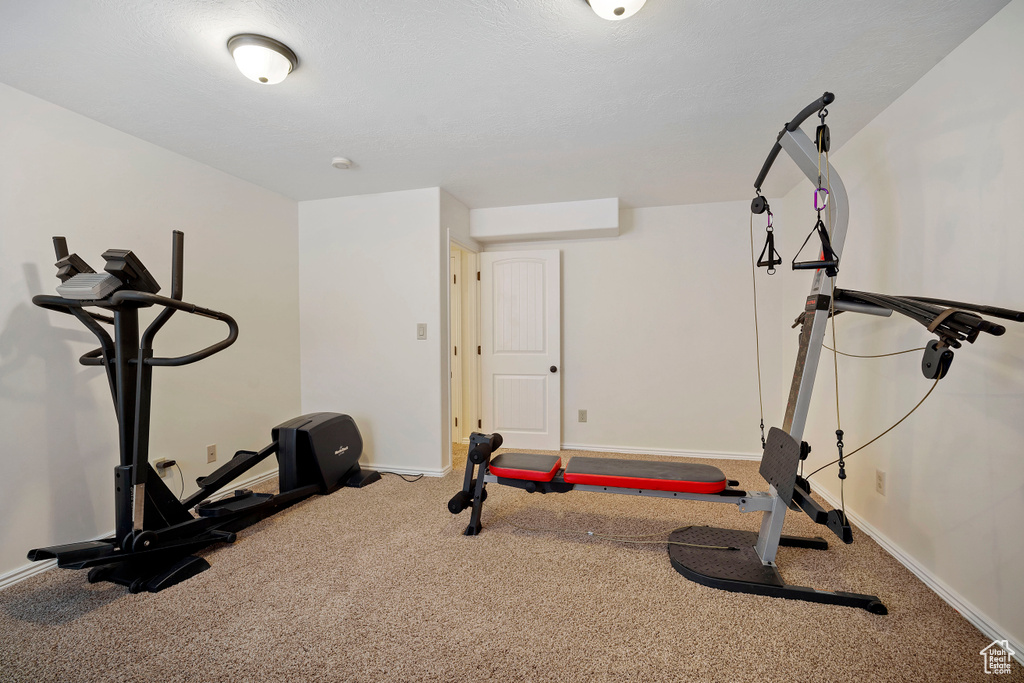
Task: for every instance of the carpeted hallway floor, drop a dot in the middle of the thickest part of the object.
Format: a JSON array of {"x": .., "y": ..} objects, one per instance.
[{"x": 378, "y": 584}]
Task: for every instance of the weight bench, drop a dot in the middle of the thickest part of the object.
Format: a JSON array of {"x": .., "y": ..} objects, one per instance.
[{"x": 740, "y": 561}]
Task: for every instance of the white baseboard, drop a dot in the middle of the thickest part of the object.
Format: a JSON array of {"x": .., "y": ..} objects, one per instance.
[
  {"x": 33, "y": 568},
  {"x": 246, "y": 483},
  {"x": 976, "y": 617},
  {"x": 661, "y": 451},
  {"x": 26, "y": 572}
]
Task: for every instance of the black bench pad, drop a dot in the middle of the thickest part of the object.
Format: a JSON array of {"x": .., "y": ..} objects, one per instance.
[
  {"x": 683, "y": 477},
  {"x": 527, "y": 466}
]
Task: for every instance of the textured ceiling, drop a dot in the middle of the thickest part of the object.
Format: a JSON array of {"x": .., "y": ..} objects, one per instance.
[{"x": 501, "y": 102}]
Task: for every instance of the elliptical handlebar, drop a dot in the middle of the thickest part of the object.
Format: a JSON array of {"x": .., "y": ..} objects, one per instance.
[
  {"x": 52, "y": 302},
  {"x": 177, "y": 262},
  {"x": 139, "y": 299},
  {"x": 146, "y": 298},
  {"x": 94, "y": 357},
  {"x": 62, "y": 305}
]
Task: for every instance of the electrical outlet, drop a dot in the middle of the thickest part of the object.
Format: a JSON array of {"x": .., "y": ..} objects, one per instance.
[
  {"x": 880, "y": 482},
  {"x": 583, "y": 416},
  {"x": 211, "y": 453},
  {"x": 162, "y": 467}
]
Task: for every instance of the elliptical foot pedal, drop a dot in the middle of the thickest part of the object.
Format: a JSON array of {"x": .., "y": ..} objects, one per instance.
[
  {"x": 243, "y": 499},
  {"x": 71, "y": 553},
  {"x": 732, "y": 564}
]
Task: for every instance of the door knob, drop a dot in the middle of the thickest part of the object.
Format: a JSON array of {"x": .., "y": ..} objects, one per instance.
[{"x": 554, "y": 369}]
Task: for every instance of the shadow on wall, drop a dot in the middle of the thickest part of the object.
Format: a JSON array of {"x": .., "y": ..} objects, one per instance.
[{"x": 48, "y": 417}]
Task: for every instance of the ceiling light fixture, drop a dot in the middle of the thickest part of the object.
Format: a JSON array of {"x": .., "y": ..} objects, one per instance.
[
  {"x": 262, "y": 59},
  {"x": 615, "y": 10}
]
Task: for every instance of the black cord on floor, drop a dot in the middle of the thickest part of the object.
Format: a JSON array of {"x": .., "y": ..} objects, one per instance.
[{"x": 403, "y": 477}]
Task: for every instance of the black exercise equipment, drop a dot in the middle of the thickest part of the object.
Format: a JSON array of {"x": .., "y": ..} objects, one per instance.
[
  {"x": 953, "y": 322},
  {"x": 827, "y": 260},
  {"x": 769, "y": 257},
  {"x": 155, "y": 533}
]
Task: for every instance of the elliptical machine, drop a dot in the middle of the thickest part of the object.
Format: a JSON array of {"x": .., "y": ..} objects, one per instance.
[{"x": 155, "y": 533}]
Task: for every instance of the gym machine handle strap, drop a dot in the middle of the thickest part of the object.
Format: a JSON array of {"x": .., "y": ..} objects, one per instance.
[
  {"x": 816, "y": 106},
  {"x": 144, "y": 297}
]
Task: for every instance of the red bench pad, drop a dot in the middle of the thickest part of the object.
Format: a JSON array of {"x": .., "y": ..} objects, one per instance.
[
  {"x": 683, "y": 477},
  {"x": 528, "y": 466}
]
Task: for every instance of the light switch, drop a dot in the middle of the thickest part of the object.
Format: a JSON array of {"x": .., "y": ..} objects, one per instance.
[{"x": 421, "y": 331}]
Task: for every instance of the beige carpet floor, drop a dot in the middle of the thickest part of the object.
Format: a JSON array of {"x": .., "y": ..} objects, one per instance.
[{"x": 379, "y": 584}]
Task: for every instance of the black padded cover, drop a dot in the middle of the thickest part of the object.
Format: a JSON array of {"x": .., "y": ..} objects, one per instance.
[
  {"x": 533, "y": 462},
  {"x": 666, "y": 476},
  {"x": 644, "y": 469},
  {"x": 318, "y": 448}
]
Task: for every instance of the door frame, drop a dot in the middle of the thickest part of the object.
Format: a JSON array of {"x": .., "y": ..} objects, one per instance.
[
  {"x": 468, "y": 345},
  {"x": 455, "y": 343}
]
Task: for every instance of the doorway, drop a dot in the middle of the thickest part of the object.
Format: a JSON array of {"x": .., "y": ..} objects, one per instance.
[{"x": 463, "y": 347}]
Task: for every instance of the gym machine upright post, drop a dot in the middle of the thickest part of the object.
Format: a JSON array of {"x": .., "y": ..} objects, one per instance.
[{"x": 155, "y": 533}]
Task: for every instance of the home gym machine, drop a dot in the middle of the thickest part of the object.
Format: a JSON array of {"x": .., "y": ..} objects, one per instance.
[
  {"x": 155, "y": 533},
  {"x": 730, "y": 559}
]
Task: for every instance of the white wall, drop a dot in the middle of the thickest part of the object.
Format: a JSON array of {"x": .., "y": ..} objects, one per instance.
[
  {"x": 372, "y": 267},
  {"x": 936, "y": 207},
  {"x": 658, "y": 336},
  {"x": 61, "y": 173}
]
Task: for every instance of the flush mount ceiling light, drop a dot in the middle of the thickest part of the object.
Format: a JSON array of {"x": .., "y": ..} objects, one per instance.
[
  {"x": 262, "y": 59},
  {"x": 615, "y": 10}
]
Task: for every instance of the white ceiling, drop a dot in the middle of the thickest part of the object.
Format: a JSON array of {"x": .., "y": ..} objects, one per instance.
[{"x": 501, "y": 102}]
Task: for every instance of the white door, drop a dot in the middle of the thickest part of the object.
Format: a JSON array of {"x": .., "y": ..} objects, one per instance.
[{"x": 520, "y": 354}]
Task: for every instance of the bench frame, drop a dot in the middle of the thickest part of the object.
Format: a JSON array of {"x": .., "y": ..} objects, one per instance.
[{"x": 736, "y": 564}]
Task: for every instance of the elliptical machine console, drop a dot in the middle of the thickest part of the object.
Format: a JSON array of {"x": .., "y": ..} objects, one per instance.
[{"x": 155, "y": 533}]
